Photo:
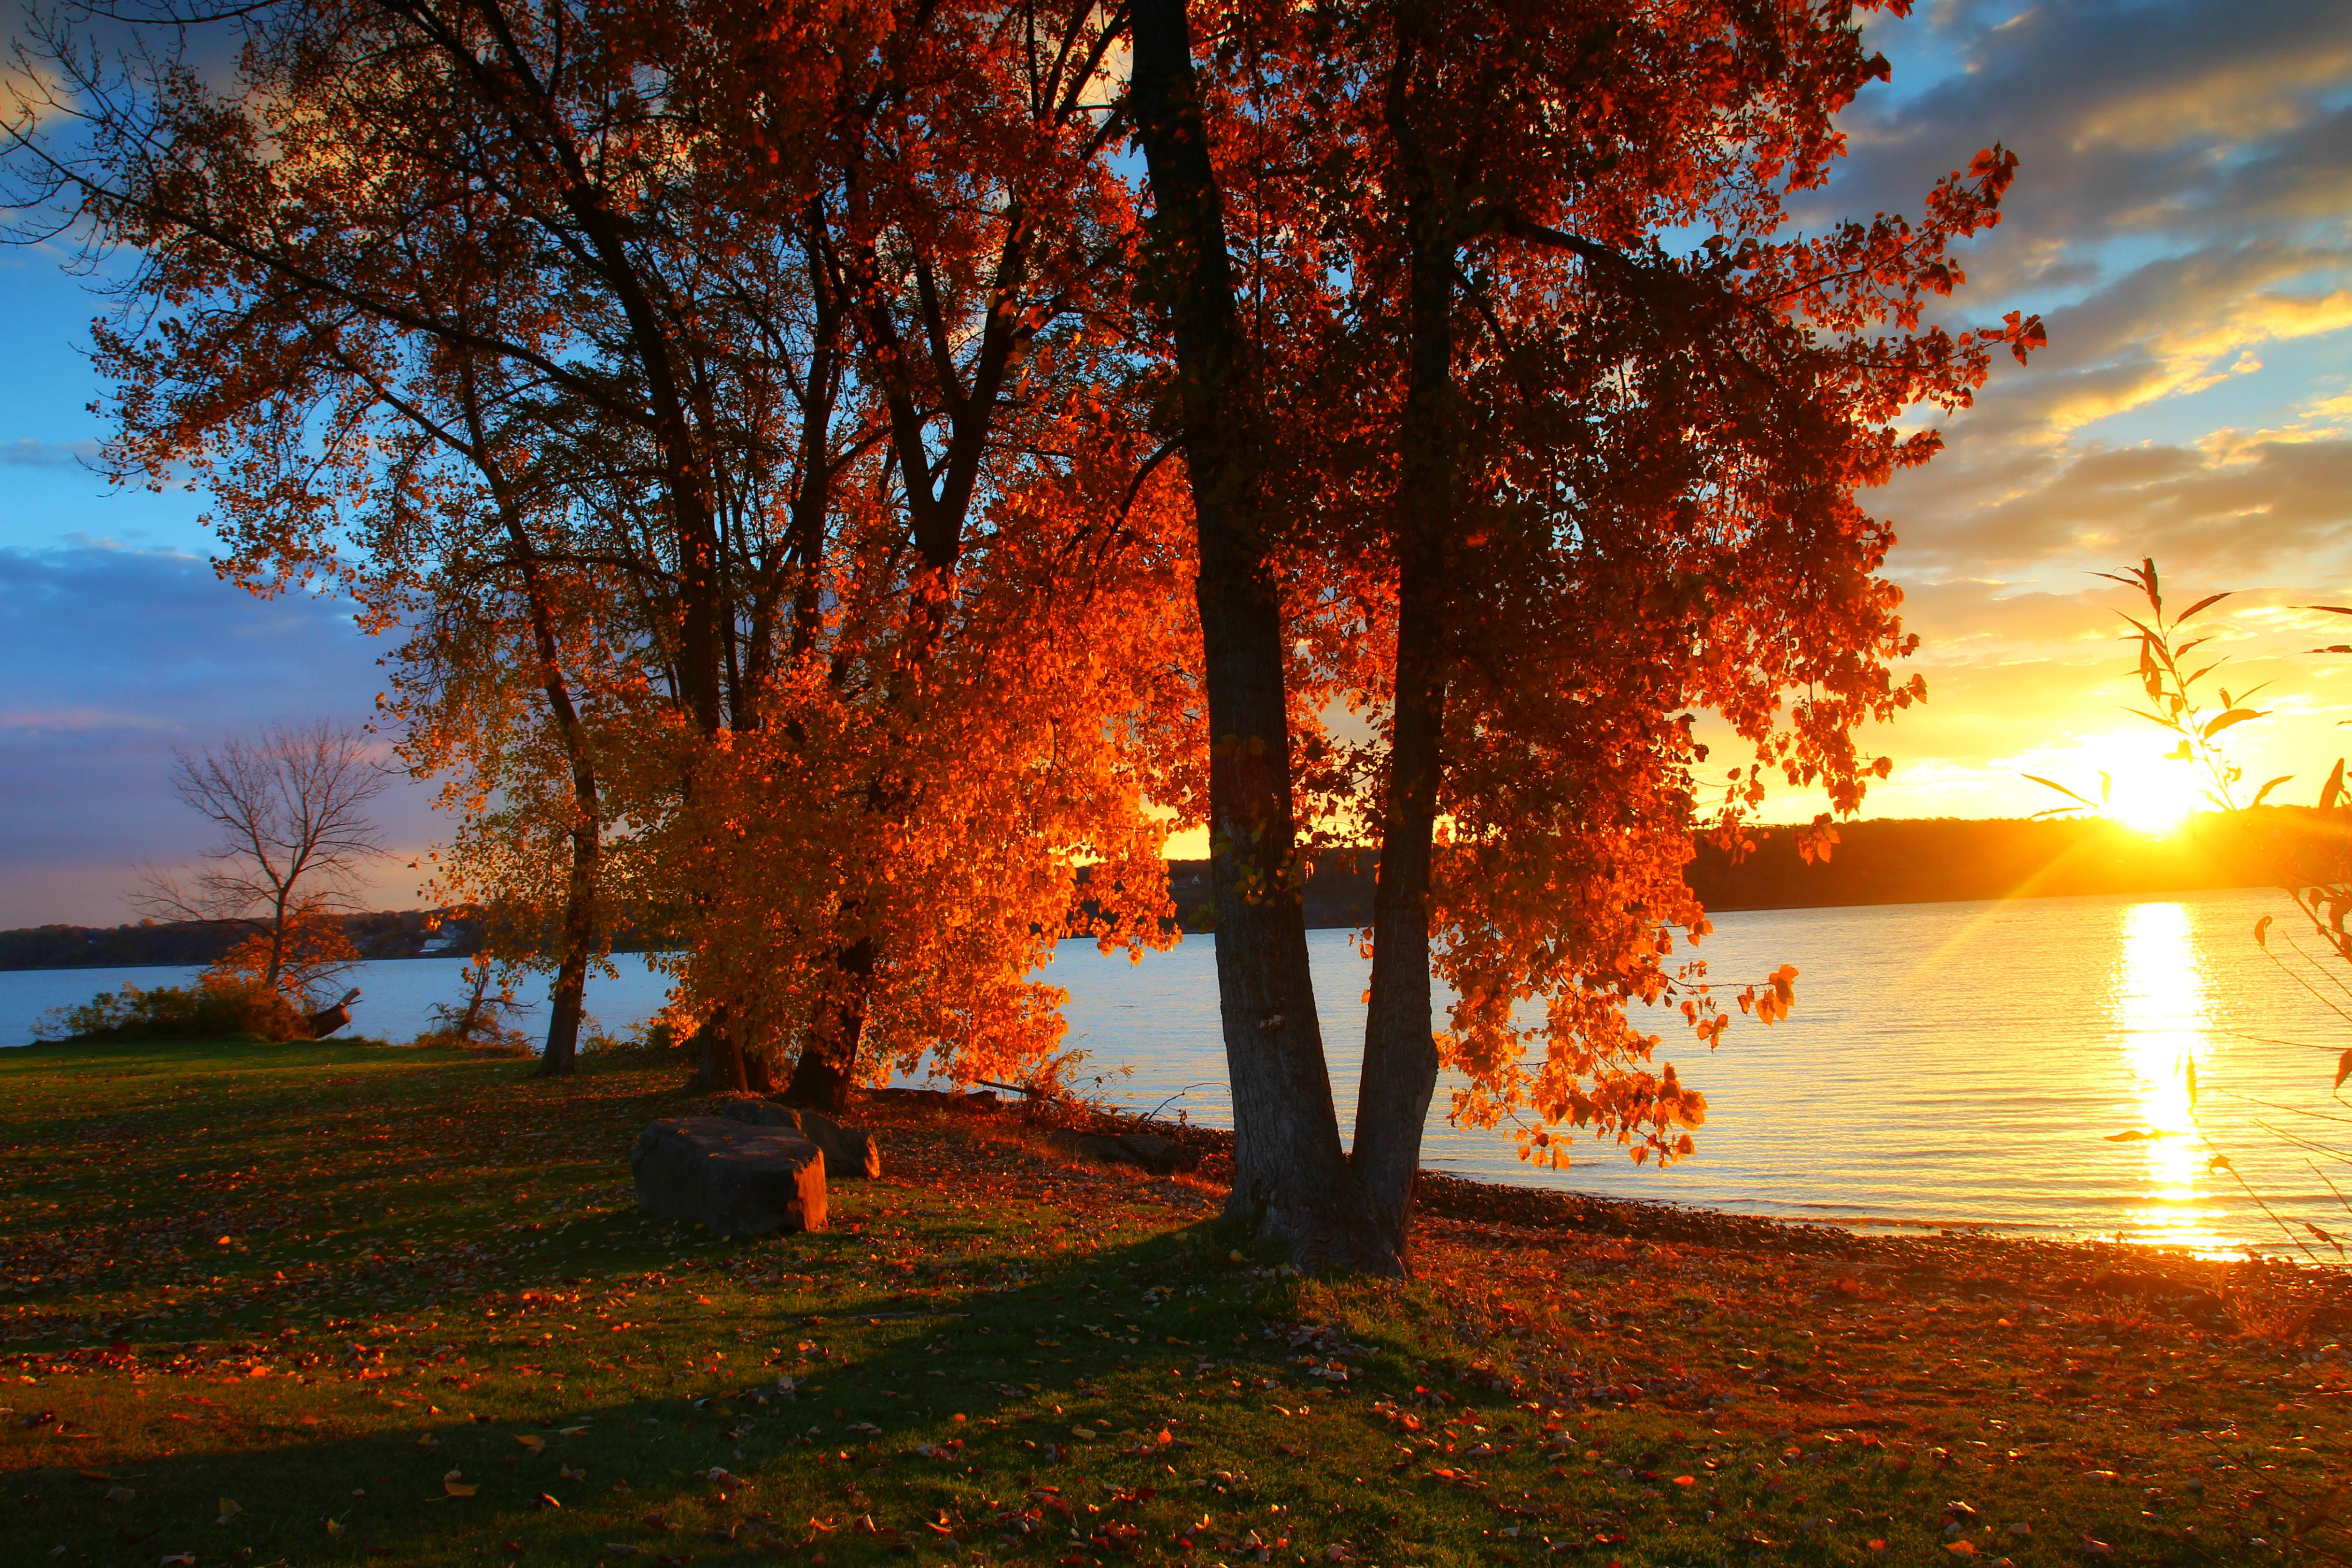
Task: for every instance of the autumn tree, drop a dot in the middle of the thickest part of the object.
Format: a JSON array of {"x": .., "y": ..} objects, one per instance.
[
  {"x": 295, "y": 841},
  {"x": 1608, "y": 487},
  {"x": 974, "y": 240},
  {"x": 518, "y": 758},
  {"x": 494, "y": 310}
]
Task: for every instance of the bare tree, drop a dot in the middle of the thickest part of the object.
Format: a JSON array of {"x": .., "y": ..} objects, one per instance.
[{"x": 295, "y": 834}]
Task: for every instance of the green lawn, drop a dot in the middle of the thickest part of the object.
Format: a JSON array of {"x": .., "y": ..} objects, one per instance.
[{"x": 345, "y": 1303}]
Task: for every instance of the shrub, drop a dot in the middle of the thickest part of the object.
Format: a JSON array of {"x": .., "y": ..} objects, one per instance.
[
  {"x": 209, "y": 1008},
  {"x": 479, "y": 1021}
]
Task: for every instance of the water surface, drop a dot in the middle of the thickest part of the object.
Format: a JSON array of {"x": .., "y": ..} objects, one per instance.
[{"x": 1946, "y": 1064}]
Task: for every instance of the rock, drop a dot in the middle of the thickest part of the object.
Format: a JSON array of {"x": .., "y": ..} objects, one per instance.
[
  {"x": 736, "y": 1178},
  {"x": 1160, "y": 1156},
  {"x": 1089, "y": 1146},
  {"x": 849, "y": 1152},
  {"x": 327, "y": 1020},
  {"x": 760, "y": 1113}
]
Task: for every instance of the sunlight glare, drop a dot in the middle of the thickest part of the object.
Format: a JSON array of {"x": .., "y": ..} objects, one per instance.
[
  {"x": 2159, "y": 994},
  {"x": 2154, "y": 797}
]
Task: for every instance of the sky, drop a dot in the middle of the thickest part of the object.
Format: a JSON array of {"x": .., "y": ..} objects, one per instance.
[{"x": 2182, "y": 219}]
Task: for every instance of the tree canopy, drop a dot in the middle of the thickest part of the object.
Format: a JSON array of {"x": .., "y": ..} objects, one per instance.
[{"x": 839, "y": 472}]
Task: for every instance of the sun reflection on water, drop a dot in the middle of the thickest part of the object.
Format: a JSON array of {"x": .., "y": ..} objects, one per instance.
[{"x": 2159, "y": 1013}]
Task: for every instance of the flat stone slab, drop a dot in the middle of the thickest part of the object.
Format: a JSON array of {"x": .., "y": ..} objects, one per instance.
[
  {"x": 849, "y": 1152},
  {"x": 732, "y": 1177}
]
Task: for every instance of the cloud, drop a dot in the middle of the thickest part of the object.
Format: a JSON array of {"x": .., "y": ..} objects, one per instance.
[
  {"x": 24, "y": 454},
  {"x": 29, "y": 94},
  {"x": 2183, "y": 220},
  {"x": 2276, "y": 506},
  {"x": 119, "y": 657},
  {"x": 2131, "y": 118}
]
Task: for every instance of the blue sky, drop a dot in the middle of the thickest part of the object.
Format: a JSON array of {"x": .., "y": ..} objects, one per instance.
[{"x": 2182, "y": 216}]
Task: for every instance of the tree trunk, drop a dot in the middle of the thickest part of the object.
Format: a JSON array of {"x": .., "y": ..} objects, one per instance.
[
  {"x": 1290, "y": 1175},
  {"x": 1399, "y": 1070},
  {"x": 566, "y": 1003},
  {"x": 720, "y": 1065},
  {"x": 827, "y": 1067},
  {"x": 759, "y": 1075}
]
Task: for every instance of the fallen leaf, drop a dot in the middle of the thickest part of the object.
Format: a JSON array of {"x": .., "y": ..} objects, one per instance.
[
  {"x": 453, "y": 1487},
  {"x": 334, "y": 1527},
  {"x": 545, "y": 1500},
  {"x": 2321, "y": 1511},
  {"x": 119, "y": 1494},
  {"x": 532, "y": 1441}
]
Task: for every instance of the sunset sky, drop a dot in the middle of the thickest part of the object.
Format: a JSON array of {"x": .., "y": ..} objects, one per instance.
[{"x": 2180, "y": 219}]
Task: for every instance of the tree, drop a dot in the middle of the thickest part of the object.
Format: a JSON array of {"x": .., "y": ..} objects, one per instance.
[
  {"x": 972, "y": 235},
  {"x": 292, "y": 807},
  {"x": 1571, "y": 490},
  {"x": 425, "y": 218},
  {"x": 1288, "y": 1169},
  {"x": 511, "y": 319}
]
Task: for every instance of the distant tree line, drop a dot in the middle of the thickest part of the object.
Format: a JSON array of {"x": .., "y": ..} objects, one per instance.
[
  {"x": 1940, "y": 859},
  {"x": 404, "y": 934},
  {"x": 1893, "y": 861},
  {"x": 1897, "y": 861}
]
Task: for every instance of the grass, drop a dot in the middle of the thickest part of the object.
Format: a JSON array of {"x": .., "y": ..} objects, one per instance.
[{"x": 344, "y": 1303}]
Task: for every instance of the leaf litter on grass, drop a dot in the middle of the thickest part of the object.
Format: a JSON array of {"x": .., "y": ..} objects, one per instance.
[{"x": 1542, "y": 1387}]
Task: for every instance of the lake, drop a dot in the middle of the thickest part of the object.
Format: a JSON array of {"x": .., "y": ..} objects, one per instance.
[{"x": 1960, "y": 1064}]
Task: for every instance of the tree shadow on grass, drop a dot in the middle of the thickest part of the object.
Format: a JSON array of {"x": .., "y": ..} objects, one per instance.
[{"x": 1087, "y": 1399}]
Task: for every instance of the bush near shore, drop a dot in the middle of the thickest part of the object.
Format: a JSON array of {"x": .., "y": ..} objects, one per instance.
[
  {"x": 333, "y": 1303},
  {"x": 209, "y": 1009}
]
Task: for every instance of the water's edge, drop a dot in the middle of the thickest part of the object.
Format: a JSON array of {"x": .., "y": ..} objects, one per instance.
[{"x": 2014, "y": 1067}]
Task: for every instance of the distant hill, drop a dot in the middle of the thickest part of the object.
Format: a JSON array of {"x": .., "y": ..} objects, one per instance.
[
  {"x": 1895, "y": 861},
  {"x": 1940, "y": 859},
  {"x": 402, "y": 933}
]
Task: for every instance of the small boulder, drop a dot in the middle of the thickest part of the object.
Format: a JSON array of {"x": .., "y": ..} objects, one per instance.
[
  {"x": 1162, "y": 1156},
  {"x": 848, "y": 1151},
  {"x": 1091, "y": 1146},
  {"x": 735, "y": 1178}
]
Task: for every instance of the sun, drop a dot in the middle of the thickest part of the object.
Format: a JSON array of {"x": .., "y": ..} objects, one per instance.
[{"x": 2154, "y": 796}]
